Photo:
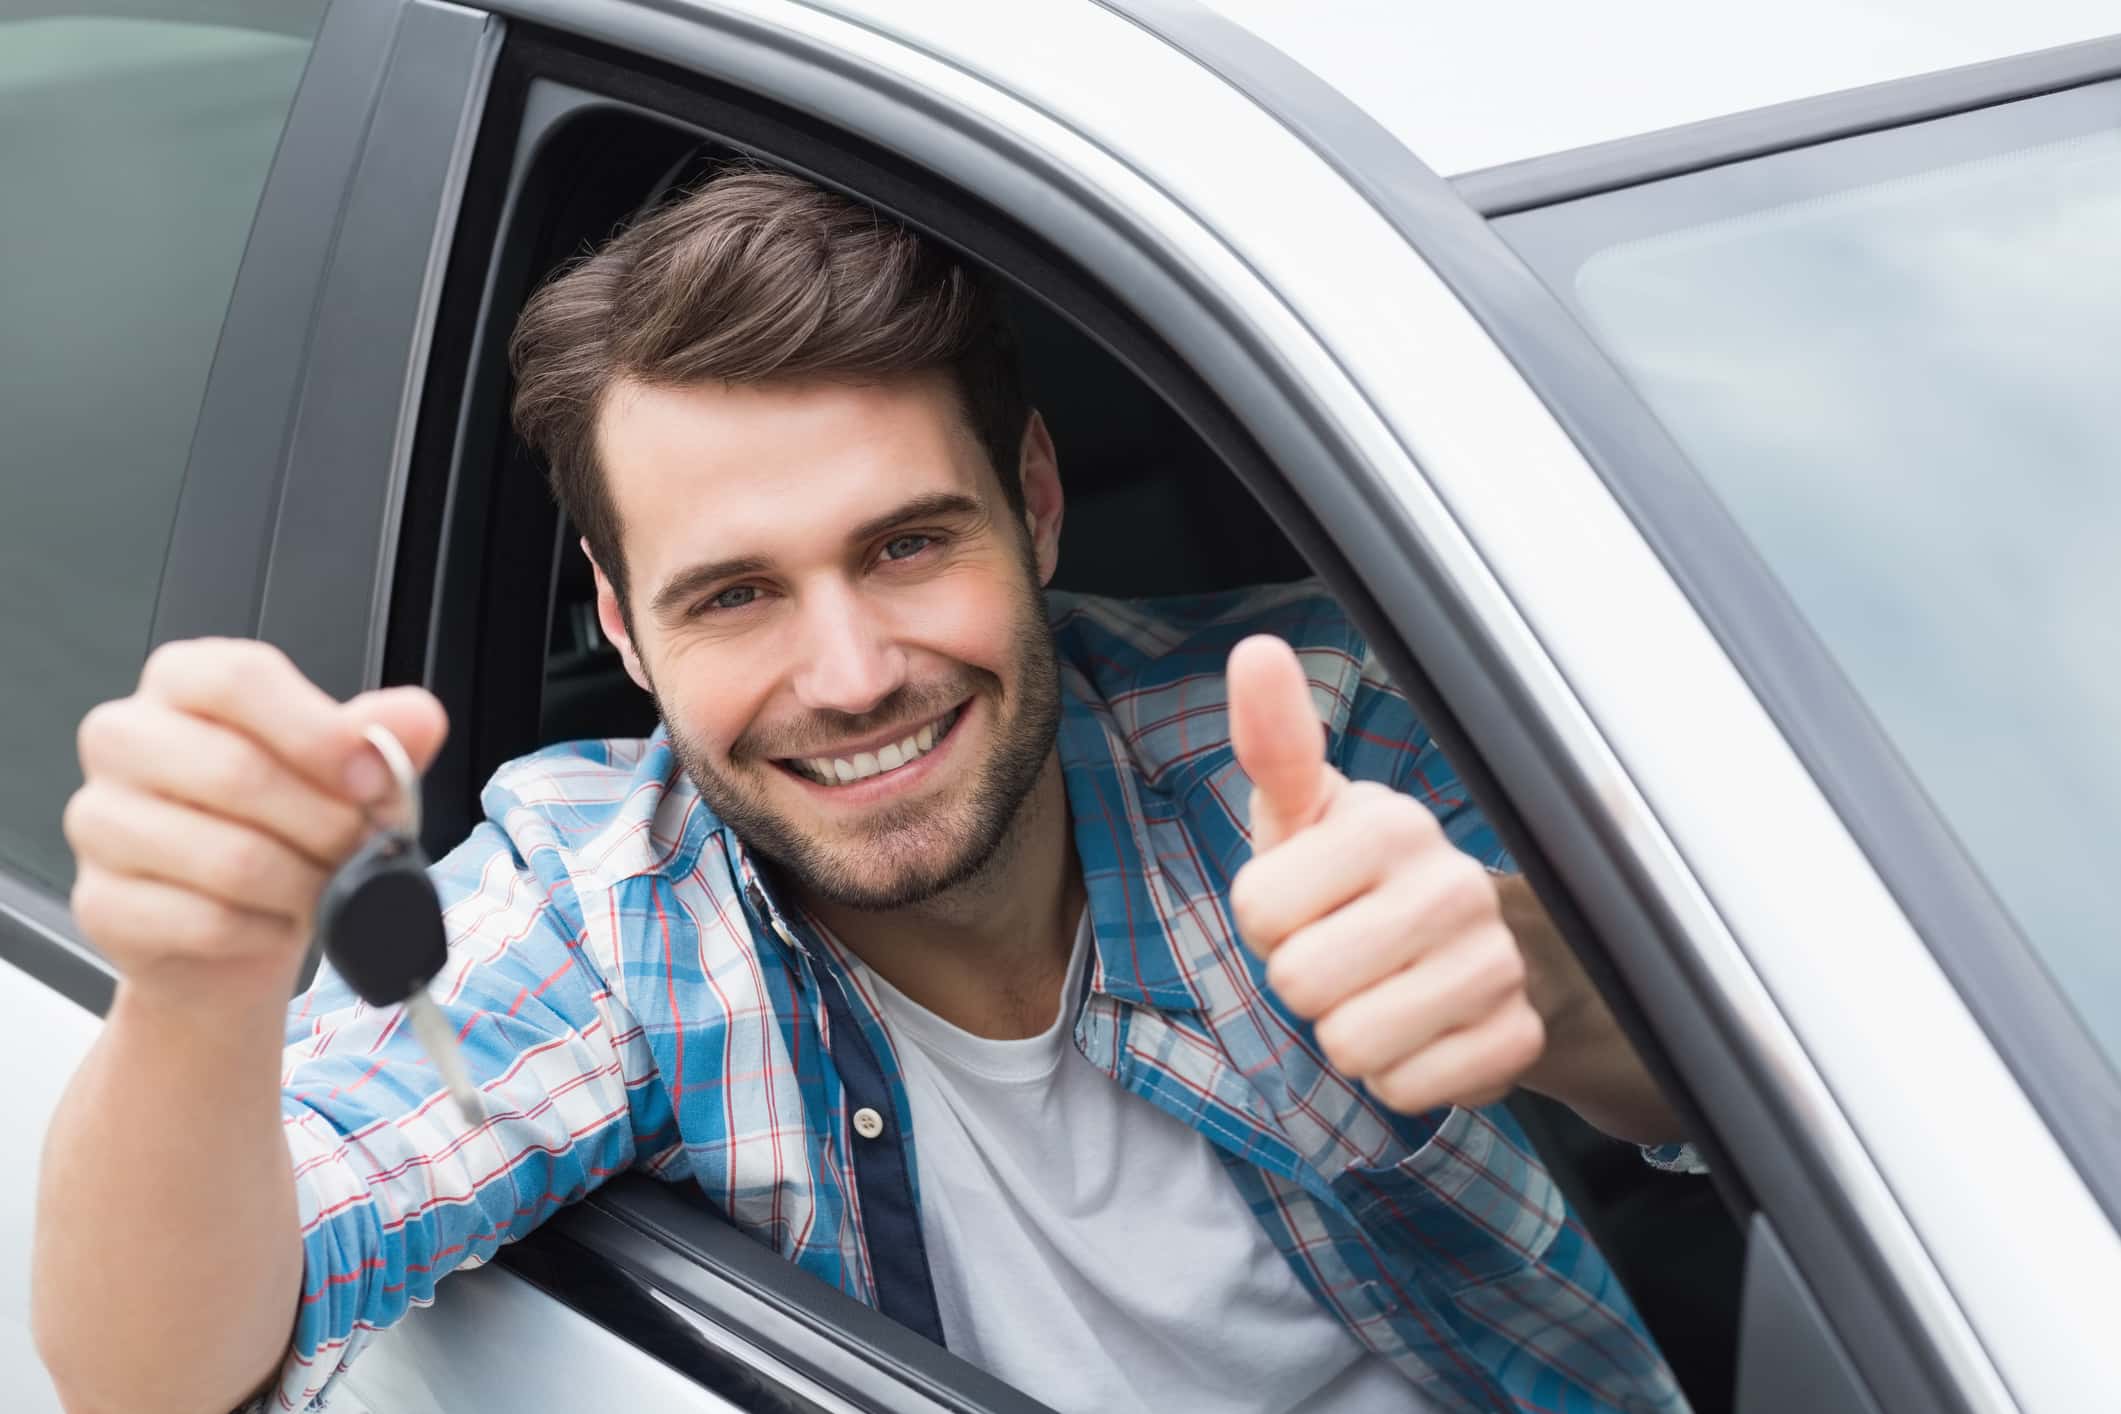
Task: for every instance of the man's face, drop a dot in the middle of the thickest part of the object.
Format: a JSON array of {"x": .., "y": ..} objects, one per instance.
[{"x": 840, "y": 619}]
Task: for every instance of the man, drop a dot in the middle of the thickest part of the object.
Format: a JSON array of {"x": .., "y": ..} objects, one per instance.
[{"x": 916, "y": 936}]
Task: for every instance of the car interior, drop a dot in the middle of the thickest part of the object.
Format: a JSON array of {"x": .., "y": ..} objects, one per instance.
[{"x": 1152, "y": 509}]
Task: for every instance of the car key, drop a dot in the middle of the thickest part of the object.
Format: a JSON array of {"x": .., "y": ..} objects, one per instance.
[{"x": 381, "y": 922}]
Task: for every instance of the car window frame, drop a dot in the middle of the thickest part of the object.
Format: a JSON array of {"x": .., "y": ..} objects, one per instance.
[{"x": 478, "y": 672}]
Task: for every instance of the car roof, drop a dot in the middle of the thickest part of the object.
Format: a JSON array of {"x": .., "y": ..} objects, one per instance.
[{"x": 1467, "y": 87}]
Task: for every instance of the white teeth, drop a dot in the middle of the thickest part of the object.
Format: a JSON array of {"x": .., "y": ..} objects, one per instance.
[{"x": 828, "y": 770}]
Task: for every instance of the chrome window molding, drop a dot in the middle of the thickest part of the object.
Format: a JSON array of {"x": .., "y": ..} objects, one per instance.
[{"x": 1586, "y": 171}]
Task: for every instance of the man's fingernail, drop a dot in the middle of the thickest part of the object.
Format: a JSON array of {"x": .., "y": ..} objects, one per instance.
[{"x": 365, "y": 776}]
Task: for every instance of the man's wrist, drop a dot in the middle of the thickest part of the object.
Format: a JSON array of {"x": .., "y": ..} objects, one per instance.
[{"x": 1555, "y": 983}]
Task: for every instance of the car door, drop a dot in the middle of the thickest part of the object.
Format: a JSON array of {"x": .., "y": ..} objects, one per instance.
[
  {"x": 137, "y": 155},
  {"x": 1846, "y": 949}
]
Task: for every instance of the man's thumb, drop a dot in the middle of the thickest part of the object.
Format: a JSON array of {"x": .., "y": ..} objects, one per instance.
[
  {"x": 1280, "y": 742},
  {"x": 411, "y": 714}
]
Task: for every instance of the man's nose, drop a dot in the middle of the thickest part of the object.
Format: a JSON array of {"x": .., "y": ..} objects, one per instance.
[{"x": 849, "y": 661}]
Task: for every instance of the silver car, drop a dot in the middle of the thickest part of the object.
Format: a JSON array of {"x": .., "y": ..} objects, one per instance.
[{"x": 1709, "y": 417}]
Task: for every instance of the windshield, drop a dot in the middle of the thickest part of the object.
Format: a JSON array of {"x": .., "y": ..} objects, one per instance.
[{"x": 1897, "y": 360}]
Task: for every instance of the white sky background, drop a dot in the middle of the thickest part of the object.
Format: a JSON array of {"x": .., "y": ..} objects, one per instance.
[{"x": 1470, "y": 85}]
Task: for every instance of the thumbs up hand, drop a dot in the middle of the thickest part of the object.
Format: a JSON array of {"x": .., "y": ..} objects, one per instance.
[{"x": 1374, "y": 926}]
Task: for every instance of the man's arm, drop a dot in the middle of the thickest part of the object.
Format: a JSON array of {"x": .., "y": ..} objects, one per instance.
[
  {"x": 1425, "y": 978},
  {"x": 234, "y": 1189},
  {"x": 216, "y": 801},
  {"x": 1588, "y": 1064},
  {"x": 140, "y": 1178}
]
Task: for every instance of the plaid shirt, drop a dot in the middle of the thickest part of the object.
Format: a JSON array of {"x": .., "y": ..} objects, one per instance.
[{"x": 630, "y": 995}]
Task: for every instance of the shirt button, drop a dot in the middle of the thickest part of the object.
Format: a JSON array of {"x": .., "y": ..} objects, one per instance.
[{"x": 868, "y": 1123}]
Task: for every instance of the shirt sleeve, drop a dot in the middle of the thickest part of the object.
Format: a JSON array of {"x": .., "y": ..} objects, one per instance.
[{"x": 395, "y": 1188}]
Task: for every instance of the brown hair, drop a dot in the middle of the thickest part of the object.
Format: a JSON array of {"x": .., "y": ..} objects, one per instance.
[{"x": 754, "y": 275}]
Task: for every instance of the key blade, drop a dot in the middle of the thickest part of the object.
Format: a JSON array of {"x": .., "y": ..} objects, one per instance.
[{"x": 436, "y": 1037}]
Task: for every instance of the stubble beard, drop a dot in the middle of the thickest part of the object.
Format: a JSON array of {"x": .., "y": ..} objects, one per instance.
[{"x": 917, "y": 852}]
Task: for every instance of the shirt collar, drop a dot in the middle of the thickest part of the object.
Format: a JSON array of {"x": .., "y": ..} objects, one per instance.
[{"x": 1129, "y": 893}]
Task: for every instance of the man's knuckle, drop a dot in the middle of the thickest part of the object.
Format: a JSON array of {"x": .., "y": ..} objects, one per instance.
[
  {"x": 243, "y": 866},
  {"x": 202, "y": 925},
  {"x": 1341, "y": 1041},
  {"x": 164, "y": 661},
  {"x": 1500, "y": 968},
  {"x": 1401, "y": 822},
  {"x": 91, "y": 902},
  {"x": 1524, "y": 1037},
  {"x": 1293, "y": 982},
  {"x": 1404, "y": 1089},
  {"x": 1461, "y": 890},
  {"x": 340, "y": 830},
  {"x": 1247, "y": 902},
  {"x": 100, "y": 724},
  {"x": 77, "y": 819},
  {"x": 239, "y": 772}
]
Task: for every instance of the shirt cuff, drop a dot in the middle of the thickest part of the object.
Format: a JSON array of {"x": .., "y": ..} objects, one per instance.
[{"x": 1674, "y": 1158}]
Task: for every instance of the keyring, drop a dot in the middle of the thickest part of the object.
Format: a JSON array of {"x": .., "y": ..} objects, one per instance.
[{"x": 399, "y": 761}]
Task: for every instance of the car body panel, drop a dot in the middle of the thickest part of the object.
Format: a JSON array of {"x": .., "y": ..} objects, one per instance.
[
  {"x": 43, "y": 1041},
  {"x": 1672, "y": 751}
]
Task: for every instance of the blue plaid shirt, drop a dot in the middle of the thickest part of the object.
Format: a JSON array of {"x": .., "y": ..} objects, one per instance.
[{"x": 631, "y": 995}]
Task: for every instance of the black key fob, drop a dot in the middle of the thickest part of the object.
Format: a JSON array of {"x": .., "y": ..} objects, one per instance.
[{"x": 381, "y": 921}]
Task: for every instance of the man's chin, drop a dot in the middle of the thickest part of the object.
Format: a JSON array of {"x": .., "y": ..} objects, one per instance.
[{"x": 884, "y": 870}]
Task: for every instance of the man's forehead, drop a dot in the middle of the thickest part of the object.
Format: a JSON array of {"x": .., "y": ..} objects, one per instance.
[{"x": 727, "y": 470}]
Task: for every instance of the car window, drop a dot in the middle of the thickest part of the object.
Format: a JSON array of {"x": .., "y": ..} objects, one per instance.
[
  {"x": 132, "y": 153},
  {"x": 1892, "y": 358}
]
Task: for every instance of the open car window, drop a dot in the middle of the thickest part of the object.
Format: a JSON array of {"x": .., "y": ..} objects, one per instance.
[{"x": 576, "y": 143}]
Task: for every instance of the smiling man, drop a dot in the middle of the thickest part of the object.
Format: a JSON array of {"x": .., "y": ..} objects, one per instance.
[{"x": 1112, "y": 991}]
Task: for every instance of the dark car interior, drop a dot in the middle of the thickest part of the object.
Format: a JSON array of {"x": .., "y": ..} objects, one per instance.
[{"x": 1152, "y": 509}]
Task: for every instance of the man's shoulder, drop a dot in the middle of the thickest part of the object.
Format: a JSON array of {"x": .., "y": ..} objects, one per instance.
[
  {"x": 1158, "y": 666},
  {"x": 609, "y": 809}
]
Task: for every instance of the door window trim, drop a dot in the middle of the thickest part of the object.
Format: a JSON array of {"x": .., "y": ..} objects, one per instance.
[{"x": 1671, "y": 152}]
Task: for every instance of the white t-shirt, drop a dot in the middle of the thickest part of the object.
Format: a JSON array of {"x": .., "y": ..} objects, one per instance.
[{"x": 1091, "y": 1250}]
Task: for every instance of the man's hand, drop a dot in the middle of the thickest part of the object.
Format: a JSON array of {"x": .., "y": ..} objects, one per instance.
[
  {"x": 217, "y": 800},
  {"x": 1374, "y": 926}
]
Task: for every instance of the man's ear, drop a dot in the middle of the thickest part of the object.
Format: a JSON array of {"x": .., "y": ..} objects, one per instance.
[
  {"x": 613, "y": 621},
  {"x": 1038, "y": 470}
]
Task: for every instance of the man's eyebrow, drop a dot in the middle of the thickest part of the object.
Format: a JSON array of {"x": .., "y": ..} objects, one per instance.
[
  {"x": 689, "y": 581},
  {"x": 935, "y": 505}
]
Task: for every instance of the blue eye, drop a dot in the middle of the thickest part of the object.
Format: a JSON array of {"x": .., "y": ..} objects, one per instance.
[
  {"x": 734, "y": 597},
  {"x": 906, "y": 546}
]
